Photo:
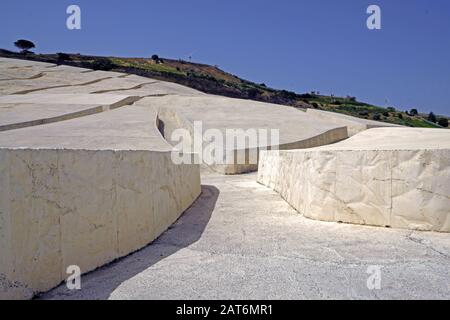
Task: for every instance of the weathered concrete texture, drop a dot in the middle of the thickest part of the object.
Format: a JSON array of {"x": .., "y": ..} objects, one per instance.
[
  {"x": 53, "y": 80},
  {"x": 130, "y": 85},
  {"x": 240, "y": 240},
  {"x": 90, "y": 189},
  {"x": 354, "y": 125},
  {"x": 126, "y": 128},
  {"x": 18, "y": 65},
  {"x": 86, "y": 208},
  {"x": 382, "y": 177},
  {"x": 296, "y": 129},
  {"x": 25, "y": 77},
  {"x": 83, "y": 191},
  {"x": 19, "y": 111},
  {"x": 109, "y": 85}
]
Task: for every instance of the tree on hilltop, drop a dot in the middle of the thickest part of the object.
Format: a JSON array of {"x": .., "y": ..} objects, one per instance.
[{"x": 24, "y": 45}]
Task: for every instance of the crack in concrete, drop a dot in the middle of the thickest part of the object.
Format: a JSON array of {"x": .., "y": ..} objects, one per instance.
[
  {"x": 139, "y": 86},
  {"x": 421, "y": 242},
  {"x": 37, "y": 76},
  {"x": 63, "y": 86}
]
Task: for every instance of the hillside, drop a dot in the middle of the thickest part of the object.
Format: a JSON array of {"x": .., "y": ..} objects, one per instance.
[{"x": 212, "y": 80}]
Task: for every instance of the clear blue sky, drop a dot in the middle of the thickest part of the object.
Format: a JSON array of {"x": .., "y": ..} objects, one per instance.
[{"x": 298, "y": 45}]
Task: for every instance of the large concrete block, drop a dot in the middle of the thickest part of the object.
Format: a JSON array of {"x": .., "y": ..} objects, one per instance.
[
  {"x": 219, "y": 116},
  {"x": 83, "y": 182},
  {"x": 82, "y": 207},
  {"x": 383, "y": 177},
  {"x": 421, "y": 189}
]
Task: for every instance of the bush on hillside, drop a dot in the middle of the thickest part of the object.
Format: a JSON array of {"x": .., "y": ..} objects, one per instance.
[
  {"x": 102, "y": 64},
  {"x": 432, "y": 117},
  {"x": 253, "y": 93},
  {"x": 363, "y": 113},
  {"x": 62, "y": 57},
  {"x": 443, "y": 122}
]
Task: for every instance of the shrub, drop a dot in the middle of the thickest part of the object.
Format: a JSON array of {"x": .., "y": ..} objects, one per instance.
[
  {"x": 400, "y": 116},
  {"x": 288, "y": 94},
  {"x": 363, "y": 113},
  {"x": 386, "y": 114},
  {"x": 157, "y": 59},
  {"x": 315, "y": 105},
  {"x": 252, "y": 93},
  {"x": 391, "y": 109},
  {"x": 102, "y": 64},
  {"x": 63, "y": 57},
  {"x": 413, "y": 112},
  {"x": 306, "y": 96},
  {"x": 431, "y": 117},
  {"x": 443, "y": 122},
  {"x": 24, "y": 45},
  {"x": 376, "y": 117}
]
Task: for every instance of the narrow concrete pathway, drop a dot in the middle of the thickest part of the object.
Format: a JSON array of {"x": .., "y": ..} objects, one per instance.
[{"x": 240, "y": 240}]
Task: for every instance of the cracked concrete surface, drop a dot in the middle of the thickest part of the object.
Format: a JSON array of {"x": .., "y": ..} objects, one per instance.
[
  {"x": 220, "y": 115},
  {"x": 25, "y": 77},
  {"x": 240, "y": 240},
  {"x": 80, "y": 184},
  {"x": 397, "y": 177},
  {"x": 20, "y": 111}
]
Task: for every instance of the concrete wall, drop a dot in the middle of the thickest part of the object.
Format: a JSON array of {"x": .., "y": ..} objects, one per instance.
[
  {"x": 173, "y": 118},
  {"x": 77, "y": 207},
  {"x": 328, "y": 137},
  {"x": 397, "y": 188}
]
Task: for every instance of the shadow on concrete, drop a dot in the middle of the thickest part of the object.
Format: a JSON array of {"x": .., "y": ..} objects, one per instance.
[{"x": 100, "y": 283}]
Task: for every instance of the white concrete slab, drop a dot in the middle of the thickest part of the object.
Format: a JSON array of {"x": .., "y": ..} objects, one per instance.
[
  {"x": 126, "y": 128},
  {"x": 240, "y": 240},
  {"x": 80, "y": 191},
  {"x": 395, "y": 177},
  {"x": 295, "y": 129},
  {"x": 19, "y": 111}
]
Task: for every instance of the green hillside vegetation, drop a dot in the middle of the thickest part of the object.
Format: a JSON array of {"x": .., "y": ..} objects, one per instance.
[{"x": 212, "y": 80}]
